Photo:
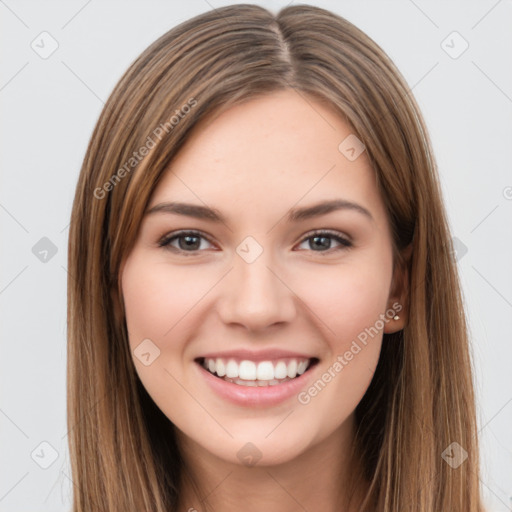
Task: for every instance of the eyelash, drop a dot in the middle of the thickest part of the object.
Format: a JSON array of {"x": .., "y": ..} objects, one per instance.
[{"x": 166, "y": 241}]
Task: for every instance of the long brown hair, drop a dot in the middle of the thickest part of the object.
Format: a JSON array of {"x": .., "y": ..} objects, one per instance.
[{"x": 124, "y": 454}]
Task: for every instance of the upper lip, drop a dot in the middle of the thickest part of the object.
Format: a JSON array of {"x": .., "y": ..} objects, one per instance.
[{"x": 260, "y": 355}]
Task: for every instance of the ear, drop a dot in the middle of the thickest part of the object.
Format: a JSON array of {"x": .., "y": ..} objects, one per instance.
[{"x": 398, "y": 299}]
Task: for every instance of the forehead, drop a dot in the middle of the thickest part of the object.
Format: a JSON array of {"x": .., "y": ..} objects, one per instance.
[{"x": 272, "y": 152}]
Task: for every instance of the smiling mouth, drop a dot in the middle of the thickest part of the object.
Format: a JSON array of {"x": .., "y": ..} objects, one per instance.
[{"x": 257, "y": 374}]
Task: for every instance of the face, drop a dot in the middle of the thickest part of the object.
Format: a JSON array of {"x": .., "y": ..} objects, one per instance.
[{"x": 284, "y": 304}]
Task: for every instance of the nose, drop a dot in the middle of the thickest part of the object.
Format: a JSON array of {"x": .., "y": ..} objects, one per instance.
[{"x": 256, "y": 295}]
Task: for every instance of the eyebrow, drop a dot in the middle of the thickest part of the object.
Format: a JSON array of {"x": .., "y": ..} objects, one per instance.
[{"x": 294, "y": 215}]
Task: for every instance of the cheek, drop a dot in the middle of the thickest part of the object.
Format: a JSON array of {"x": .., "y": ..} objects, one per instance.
[
  {"x": 348, "y": 299},
  {"x": 349, "y": 303},
  {"x": 147, "y": 315},
  {"x": 156, "y": 299},
  {"x": 159, "y": 306}
]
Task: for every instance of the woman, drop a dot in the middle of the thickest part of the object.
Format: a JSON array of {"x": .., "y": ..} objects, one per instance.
[{"x": 217, "y": 360}]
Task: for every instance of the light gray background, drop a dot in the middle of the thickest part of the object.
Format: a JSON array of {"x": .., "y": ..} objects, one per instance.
[{"x": 49, "y": 109}]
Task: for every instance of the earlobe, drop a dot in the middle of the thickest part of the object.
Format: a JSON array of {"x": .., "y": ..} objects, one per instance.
[
  {"x": 397, "y": 322},
  {"x": 399, "y": 296}
]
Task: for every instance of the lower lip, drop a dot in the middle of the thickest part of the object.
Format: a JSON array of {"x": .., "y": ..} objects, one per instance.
[{"x": 255, "y": 396}]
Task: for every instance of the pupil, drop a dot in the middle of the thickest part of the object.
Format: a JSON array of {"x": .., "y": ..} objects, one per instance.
[
  {"x": 189, "y": 242},
  {"x": 325, "y": 239}
]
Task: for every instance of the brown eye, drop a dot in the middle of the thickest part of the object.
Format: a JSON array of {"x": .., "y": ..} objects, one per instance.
[
  {"x": 187, "y": 241},
  {"x": 323, "y": 241}
]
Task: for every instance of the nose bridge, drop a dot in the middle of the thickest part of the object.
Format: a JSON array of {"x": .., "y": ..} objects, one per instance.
[{"x": 255, "y": 294}]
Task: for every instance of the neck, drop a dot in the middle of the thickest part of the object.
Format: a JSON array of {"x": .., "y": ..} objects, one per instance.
[{"x": 323, "y": 477}]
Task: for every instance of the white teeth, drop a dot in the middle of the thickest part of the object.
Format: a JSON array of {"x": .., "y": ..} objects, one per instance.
[
  {"x": 257, "y": 383},
  {"x": 301, "y": 368},
  {"x": 220, "y": 368},
  {"x": 281, "y": 370},
  {"x": 247, "y": 370},
  {"x": 251, "y": 373},
  {"x": 231, "y": 369},
  {"x": 265, "y": 371},
  {"x": 292, "y": 368}
]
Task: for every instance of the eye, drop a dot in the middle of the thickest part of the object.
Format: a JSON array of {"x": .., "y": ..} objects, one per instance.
[
  {"x": 188, "y": 241},
  {"x": 322, "y": 239}
]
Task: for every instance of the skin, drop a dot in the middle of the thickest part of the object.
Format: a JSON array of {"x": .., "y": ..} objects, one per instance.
[{"x": 253, "y": 163}]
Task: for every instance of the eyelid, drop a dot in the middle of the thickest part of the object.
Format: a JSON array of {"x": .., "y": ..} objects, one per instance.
[{"x": 326, "y": 231}]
